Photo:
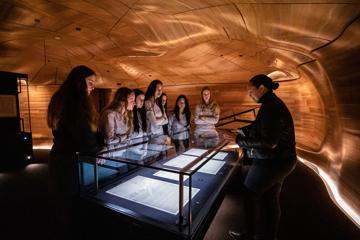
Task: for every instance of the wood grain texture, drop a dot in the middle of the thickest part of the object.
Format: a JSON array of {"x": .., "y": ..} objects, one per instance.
[{"x": 189, "y": 44}]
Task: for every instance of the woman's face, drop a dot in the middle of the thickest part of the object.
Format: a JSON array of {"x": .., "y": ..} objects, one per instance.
[
  {"x": 206, "y": 96},
  {"x": 254, "y": 92},
  {"x": 131, "y": 101},
  {"x": 181, "y": 104},
  {"x": 158, "y": 91},
  {"x": 90, "y": 83},
  {"x": 163, "y": 100},
  {"x": 140, "y": 100}
]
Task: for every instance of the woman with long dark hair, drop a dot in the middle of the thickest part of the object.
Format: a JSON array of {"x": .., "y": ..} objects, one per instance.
[
  {"x": 179, "y": 123},
  {"x": 162, "y": 102},
  {"x": 116, "y": 121},
  {"x": 154, "y": 116},
  {"x": 73, "y": 121},
  {"x": 139, "y": 114},
  {"x": 207, "y": 112},
  {"x": 270, "y": 143}
]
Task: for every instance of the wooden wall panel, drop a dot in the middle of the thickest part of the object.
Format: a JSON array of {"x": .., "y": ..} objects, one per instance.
[{"x": 303, "y": 102}]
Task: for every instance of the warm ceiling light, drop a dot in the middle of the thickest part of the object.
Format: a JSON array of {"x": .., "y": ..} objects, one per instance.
[
  {"x": 57, "y": 37},
  {"x": 275, "y": 75}
]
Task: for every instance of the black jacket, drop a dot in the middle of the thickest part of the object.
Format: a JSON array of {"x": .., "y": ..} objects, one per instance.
[{"x": 271, "y": 135}]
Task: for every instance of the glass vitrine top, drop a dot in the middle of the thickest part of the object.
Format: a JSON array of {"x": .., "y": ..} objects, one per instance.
[{"x": 157, "y": 152}]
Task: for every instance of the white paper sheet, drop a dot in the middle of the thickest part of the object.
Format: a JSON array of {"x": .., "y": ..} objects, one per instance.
[
  {"x": 219, "y": 155},
  {"x": 180, "y": 161},
  {"x": 211, "y": 167},
  {"x": 153, "y": 193},
  {"x": 169, "y": 175},
  {"x": 195, "y": 152}
]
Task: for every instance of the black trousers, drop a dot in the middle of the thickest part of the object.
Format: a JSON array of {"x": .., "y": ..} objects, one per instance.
[
  {"x": 181, "y": 145},
  {"x": 64, "y": 197},
  {"x": 261, "y": 197}
]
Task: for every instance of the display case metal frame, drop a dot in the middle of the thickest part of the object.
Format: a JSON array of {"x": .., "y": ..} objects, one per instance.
[{"x": 184, "y": 226}]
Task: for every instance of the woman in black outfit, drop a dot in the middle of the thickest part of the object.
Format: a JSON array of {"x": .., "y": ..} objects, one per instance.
[
  {"x": 140, "y": 126},
  {"x": 73, "y": 120},
  {"x": 270, "y": 143},
  {"x": 163, "y": 103}
]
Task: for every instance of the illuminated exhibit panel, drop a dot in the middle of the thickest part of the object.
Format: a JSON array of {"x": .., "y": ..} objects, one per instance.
[
  {"x": 198, "y": 152},
  {"x": 180, "y": 161},
  {"x": 195, "y": 152},
  {"x": 219, "y": 155},
  {"x": 169, "y": 175},
  {"x": 211, "y": 167},
  {"x": 149, "y": 191},
  {"x": 153, "y": 193}
]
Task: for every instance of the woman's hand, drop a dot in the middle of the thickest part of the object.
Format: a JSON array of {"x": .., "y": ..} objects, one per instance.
[{"x": 168, "y": 140}]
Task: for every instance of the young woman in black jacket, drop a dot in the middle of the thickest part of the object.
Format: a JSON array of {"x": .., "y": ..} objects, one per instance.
[
  {"x": 73, "y": 121},
  {"x": 270, "y": 143}
]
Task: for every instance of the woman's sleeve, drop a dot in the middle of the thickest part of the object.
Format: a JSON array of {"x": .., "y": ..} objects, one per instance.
[
  {"x": 83, "y": 136},
  {"x": 269, "y": 131},
  {"x": 197, "y": 119},
  {"x": 151, "y": 118},
  {"x": 171, "y": 122},
  {"x": 86, "y": 138},
  {"x": 215, "y": 118},
  {"x": 108, "y": 129}
]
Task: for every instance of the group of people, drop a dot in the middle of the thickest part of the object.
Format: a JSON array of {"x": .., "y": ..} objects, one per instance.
[
  {"x": 133, "y": 114},
  {"x": 77, "y": 127},
  {"x": 269, "y": 141}
]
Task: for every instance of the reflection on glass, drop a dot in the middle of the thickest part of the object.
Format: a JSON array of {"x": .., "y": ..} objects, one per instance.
[
  {"x": 206, "y": 139},
  {"x": 136, "y": 149}
]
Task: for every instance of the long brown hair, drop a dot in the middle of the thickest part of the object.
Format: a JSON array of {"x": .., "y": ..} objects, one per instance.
[
  {"x": 142, "y": 114},
  {"x": 186, "y": 110},
  {"x": 71, "y": 102},
  {"x": 121, "y": 101}
]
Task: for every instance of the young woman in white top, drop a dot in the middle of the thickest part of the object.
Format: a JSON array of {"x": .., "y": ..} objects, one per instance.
[
  {"x": 179, "y": 124},
  {"x": 154, "y": 116},
  {"x": 207, "y": 112},
  {"x": 116, "y": 123}
]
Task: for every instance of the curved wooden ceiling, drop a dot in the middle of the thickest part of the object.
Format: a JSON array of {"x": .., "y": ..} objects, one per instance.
[
  {"x": 311, "y": 45},
  {"x": 180, "y": 42}
]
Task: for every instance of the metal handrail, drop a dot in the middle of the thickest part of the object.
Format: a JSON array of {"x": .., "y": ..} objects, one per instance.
[{"x": 234, "y": 117}]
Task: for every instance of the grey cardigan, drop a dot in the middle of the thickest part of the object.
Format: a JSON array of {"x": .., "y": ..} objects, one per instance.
[
  {"x": 113, "y": 128},
  {"x": 206, "y": 116},
  {"x": 154, "y": 117},
  {"x": 178, "y": 130}
]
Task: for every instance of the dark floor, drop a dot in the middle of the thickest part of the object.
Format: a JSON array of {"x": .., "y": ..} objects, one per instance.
[{"x": 307, "y": 210}]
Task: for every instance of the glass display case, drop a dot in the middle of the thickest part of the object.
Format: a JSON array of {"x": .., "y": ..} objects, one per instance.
[{"x": 147, "y": 181}]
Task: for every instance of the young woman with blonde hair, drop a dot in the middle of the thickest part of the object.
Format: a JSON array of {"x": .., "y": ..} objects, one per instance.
[
  {"x": 116, "y": 121},
  {"x": 207, "y": 112}
]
